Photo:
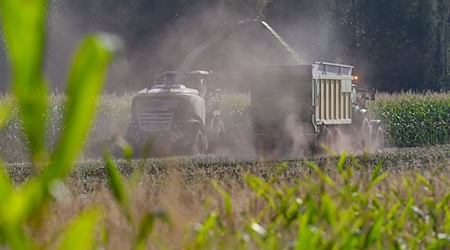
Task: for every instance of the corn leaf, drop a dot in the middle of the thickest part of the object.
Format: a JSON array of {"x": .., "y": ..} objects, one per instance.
[
  {"x": 23, "y": 24},
  {"x": 225, "y": 196},
  {"x": 81, "y": 233},
  {"x": 84, "y": 86},
  {"x": 116, "y": 184},
  {"x": 147, "y": 225}
]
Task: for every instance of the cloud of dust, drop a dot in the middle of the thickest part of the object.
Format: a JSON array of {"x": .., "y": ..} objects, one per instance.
[{"x": 233, "y": 57}]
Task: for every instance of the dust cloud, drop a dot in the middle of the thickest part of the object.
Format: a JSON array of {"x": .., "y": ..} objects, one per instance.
[{"x": 233, "y": 57}]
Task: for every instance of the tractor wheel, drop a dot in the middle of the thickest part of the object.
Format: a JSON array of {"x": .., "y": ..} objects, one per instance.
[
  {"x": 379, "y": 140},
  {"x": 217, "y": 135},
  {"x": 365, "y": 134},
  {"x": 198, "y": 145}
]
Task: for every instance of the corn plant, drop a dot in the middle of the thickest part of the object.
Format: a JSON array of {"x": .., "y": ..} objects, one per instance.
[
  {"x": 413, "y": 120},
  {"x": 23, "y": 24}
]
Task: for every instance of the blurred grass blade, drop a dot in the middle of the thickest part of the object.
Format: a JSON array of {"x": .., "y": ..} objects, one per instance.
[
  {"x": 261, "y": 188},
  {"x": 85, "y": 83},
  {"x": 305, "y": 236},
  {"x": 377, "y": 180},
  {"x": 422, "y": 180},
  {"x": 204, "y": 231},
  {"x": 6, "y": 106},
  {"x": 116, "y": 184},
  {"x": 5, "y": 184},
  {"x": 329, "y": 209},
  {"x": 277, "y": 174},
  {"x": 321, "y": 174},
  {"x": 225, "y": 196},
  {"x": 341, "y": 162},
  {"x": 127, "y": 149},
  {"x": 81, "y": 233},
  {"x": 23, "y": 23},
  {"x": 375, "y": 232},
  {"x": 376, "y": 172},
  {"x": 147, "y": 225}
]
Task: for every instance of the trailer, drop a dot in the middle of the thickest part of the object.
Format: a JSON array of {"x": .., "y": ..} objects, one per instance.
[{"x": 305, "y": 108}]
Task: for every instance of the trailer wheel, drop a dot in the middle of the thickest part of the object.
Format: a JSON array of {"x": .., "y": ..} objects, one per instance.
[
  {"x": 379, "y": 140},
  {"x": 338, "y": 141},
  {"x": 365, "y": 134},
  {"x": 328, "y": 139}
]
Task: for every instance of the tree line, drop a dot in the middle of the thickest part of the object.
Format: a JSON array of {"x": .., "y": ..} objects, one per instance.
[{"x": 394, "y": 44}]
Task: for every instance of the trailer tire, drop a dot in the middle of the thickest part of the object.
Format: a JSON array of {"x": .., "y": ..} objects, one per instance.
[
  {"x": 338, "y": 140},
  {"x": 328, "y": 139},
  {"x": 365, "y": 134}
]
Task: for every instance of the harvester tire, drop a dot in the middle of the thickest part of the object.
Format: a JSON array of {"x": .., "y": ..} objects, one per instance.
[
  {"x": 198, "y": 145},
  {"x": 134, "y": 138}
]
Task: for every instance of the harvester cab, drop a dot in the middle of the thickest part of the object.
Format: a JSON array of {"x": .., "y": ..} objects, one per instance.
[{"x": 176, "y": 118}]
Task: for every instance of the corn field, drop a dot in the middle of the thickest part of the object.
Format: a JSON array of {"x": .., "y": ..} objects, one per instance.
[{"x": 53, "y": 200}]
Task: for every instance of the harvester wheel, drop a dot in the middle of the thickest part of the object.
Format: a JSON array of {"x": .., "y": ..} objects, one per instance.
[
  {"x": 379, "y": 140},
  {"x": 198, "y": 145},
  {"x": 134, "y": 138}
]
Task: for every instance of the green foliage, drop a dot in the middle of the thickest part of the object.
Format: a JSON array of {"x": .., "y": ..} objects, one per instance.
[
  {"x": 346, "y": 213},
  {"x": 414, "y": 120},
  {"x": 111, "y": 120},
  {"x": 117, "y": 187}
]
